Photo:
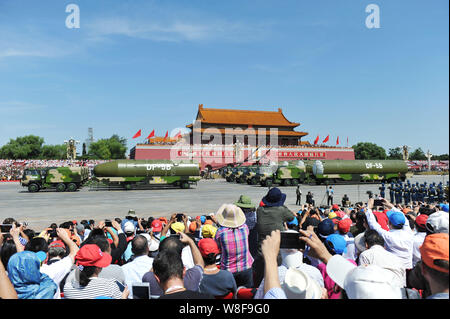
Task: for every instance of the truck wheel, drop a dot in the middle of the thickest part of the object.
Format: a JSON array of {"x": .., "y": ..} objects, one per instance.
[
  {"x": 269, "y": 183},
  {"x": 33, "y": 188},
  {"x": 253, "y": 181},
  {"x": 72, "y": 187},
  {"x": 61, "y": 187},
  {"x": 185, "y": 185},
  {"x": 127, "y": 186},
  {"x": 287, "y": 182},
  {"x": 294, "y": 182}
]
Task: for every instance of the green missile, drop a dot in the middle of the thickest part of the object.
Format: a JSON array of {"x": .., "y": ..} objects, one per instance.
[
  {"x": 359, "y": 167},
  {"x": 139, "y": 168}
]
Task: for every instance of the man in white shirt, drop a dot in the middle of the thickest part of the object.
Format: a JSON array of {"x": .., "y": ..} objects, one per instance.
[
  {"x": 399, "y": 239},
  {"x": 57, "y": 268},
  {"x": 419, "y": 236},
  {"x": 375, "y": 254},
  {"x": 141, "y": 264}
]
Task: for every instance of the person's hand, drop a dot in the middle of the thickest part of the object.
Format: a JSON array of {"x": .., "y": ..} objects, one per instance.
[
  {"x": 101, "y": 224},
  {"x": 270, "y": 246},
  {"x": 115, "y": 224},
  {"x": 185, "y": 239},
  {"x": 370, "y": 203},
  {"x": 173, "y": 218},
  {"x": 62, "y": 234},
  {"x": 14, "y": 231},
  {"x": 316, "y": 248},
  {"x": 125, "y": 293}
]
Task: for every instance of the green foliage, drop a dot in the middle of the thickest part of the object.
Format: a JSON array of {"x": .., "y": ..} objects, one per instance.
[
  {"x": 366, "y": 150},
  {"x": 25, "y": 147},
  {"x": 111, "y": 148},
  {"x": 417, "y": 155},
  {"x": 442, "y": 157},
  {"x": 395, "y": 153},
  {"x": 54, "y": 152}
]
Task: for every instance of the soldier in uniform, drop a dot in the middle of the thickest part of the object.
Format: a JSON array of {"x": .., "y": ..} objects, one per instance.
[
  {"x": 298, "y": 192},
  {"x": 407, "y": 195},
  {"x": 382, "y": 190},
  {"x": 413, "y": 193},
  {"x": 391, "y": 192},
  {"x": 431, "y": 194},
  {"x": 440, "y": 193},
  {"x": 398, "y": 194},
  {"x": 421, "y": 193}
]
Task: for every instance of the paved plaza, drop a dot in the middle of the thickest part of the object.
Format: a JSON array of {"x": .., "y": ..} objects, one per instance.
[{"x": 42, "y": 208}]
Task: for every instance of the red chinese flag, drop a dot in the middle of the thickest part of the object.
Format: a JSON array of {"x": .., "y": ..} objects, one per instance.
[
  {"x": 326, "y": 139},
  {"x": 151, "y": 134},
  {"x": 316, "y": 140},
  {"x": 337, "y": 141},
  {"x": 167, "y": 134},
  {"x": 138, "y": 133}
]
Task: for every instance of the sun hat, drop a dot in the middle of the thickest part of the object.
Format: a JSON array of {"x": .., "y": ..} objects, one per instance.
[
  {"x": 396, "y": 218},
  {"x": 244, "y": 202},
  {"x": 208, "y": 246},
  {"x": 91, "y": 255},
  {"x": 298, "y": 285},
  {"x": 291, "y": 257},
  {"x": 362, "y": 282},
  {"x": 229, "y": 215},
  {"x": 421, "y": 220},
  {"x": 128, "y": 227},
  {"x": 434, "y": 248},
  {"x": 157, "y": 225},
  {"x": 344, "y": 225},
  {"x": 336, "y": 243},
  {"x": 131, "y": 213},
  {"x": 177, "y": 227},
  {"x": 437, "y": 222},
  {"x": 325, "y": 228},
  {"x": 274, "y": 198},
  {"x": 209, "y": 231},
  {"x": 360, "y": 242}
]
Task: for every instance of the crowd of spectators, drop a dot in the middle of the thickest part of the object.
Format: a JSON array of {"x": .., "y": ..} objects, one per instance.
[
  {"x": 12, "y": 170},
  {"x": 245, "y": 250}
]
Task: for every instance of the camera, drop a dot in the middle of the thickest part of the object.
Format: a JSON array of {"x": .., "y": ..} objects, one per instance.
[{"x": 108, "y": 223}]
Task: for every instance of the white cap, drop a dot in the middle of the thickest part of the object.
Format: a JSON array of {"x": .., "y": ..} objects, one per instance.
[
  {"x": 437, "y": 222},
  {"x": 363, "y": 282},
  {"x": 128, "y": 227},
  {"x": 360, "y": 242},
  {"x": 291, "y": 257},
  {"x": 298, "y": 285}
]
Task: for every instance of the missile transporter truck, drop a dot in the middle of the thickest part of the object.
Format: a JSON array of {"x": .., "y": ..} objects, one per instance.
[
  {"x": 286, "y": 174},
  {"x": 131, "y": 173},
  {"x": 359, "y": 171},
  {"x": 246, "y": 173},
  {"x": 59, "y": 178}
]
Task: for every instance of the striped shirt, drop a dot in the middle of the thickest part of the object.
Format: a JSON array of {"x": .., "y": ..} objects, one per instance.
[
  {"x": 233, "y": 244},
  {"x": 97, "y": 287}
]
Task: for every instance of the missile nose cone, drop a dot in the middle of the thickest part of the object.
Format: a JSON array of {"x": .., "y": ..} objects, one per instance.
[{"x": 105, "y": 169}]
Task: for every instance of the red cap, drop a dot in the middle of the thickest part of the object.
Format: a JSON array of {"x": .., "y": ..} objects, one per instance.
[
  {"x": 344, "y": 225},
  {"x": 421, "y": 220},
  {"x": 192, "y": 227},
  {"x": 157, "y": 225},
  {"x": 335, "y": 207},
  {"x": 208, "y": 246},
  {"x": 57, "y": 243},
  {"x": 91, "y": 255},
  {"x": 435, "y": 248}
]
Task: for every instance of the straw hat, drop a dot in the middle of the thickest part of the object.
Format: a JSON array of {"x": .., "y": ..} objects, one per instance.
[
  {"x": 229, "y": 215},
  {"x": 298, "y": 285}
]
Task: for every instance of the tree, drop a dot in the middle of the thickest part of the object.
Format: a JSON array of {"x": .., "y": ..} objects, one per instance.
[
  {"x": 395, "y": 153},
  {"x": 417, "y": 155},
  {"x": 366, "y": 150},
  {"x": 111, "y": 148},
  {"x": 25, "y": 147},
  {"x": 54, "y": 152},
  {"x": 84, "y": 150}
]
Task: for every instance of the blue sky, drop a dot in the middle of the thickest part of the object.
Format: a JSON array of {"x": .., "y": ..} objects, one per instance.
[{"x": 148, "y": 64}]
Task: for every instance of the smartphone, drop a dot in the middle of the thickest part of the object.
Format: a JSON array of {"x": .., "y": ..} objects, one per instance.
[
  {"x": 141, "y": 290},
  {"x": 378, "y": 202},
  {"x": 108, "y": 223},
  {"x": 291, "y": 240},
  {"x": 121, "y": 287},
  {"x": 5, "y": 228}
]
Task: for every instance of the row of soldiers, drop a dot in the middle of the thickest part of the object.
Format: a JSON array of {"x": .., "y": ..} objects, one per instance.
[{"x": 404, "y": 193}]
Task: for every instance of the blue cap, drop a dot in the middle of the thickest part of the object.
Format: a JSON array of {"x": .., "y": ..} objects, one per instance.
[
  {"x": 325, "y": 227},
  {"x": 42, "y": 255},
  {"x": 336, "y": 243},
  {"x": 203, "y": 219},
  {"x": 293, "y": 222},
  {"x": 444, "y": 207},
  {"x": 396, "y": 218}
]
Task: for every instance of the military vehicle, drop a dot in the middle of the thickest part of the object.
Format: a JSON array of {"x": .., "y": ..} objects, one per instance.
[
  {"x": 359, "y": 171},
  {"x": 286, "y": 174},
  {"x": 234, "y": 174},
  {"x": 242, "y": 175},
  {"x": 60, "y": 178},
  {"x": 132, "y": 173}
]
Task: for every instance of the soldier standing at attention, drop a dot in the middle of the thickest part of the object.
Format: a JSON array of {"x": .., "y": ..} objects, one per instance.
[
  {"x": 299, "y": 195},
  {"x": 382, "y": 190},
  {"x": 391, "y": 192},
  {"x": 330, "y": 192}
]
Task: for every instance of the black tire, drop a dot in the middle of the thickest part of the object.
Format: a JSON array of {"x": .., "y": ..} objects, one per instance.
[
  {"x": 61, "y": 187},
  {"x": 33, "y": 188},
  {"x": 127, "y": 186},
  {"x": 269, "y": 183},
  {"x": 185, "y": 185},
  {"x": 295, "y": 182},
  {"x": 287, "y": 182},
  {"x": 72, "y": 187}
]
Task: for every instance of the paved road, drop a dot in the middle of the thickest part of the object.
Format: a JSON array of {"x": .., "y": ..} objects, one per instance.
[{"x": 43, "y": 208}]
